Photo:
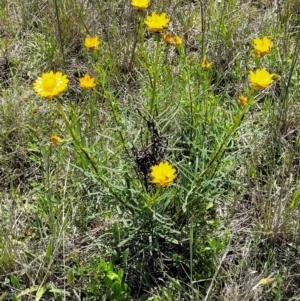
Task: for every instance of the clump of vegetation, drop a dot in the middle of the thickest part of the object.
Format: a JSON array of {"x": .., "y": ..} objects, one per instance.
[{"x": 149, "y": 150}]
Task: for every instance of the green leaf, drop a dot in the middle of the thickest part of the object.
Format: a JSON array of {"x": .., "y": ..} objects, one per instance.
[
  {"x": 58, "y": 292},
  {"x": 29, "y": 290},
  {"x": 70, "y": 278},
  {"x": 49, "y": 250},
  {"x": 14, "y": 281},
  {"x": 117, "y": 288},
  {"x": 116, "y": 234},
  {"x": 107, "y": 281},
  {"x": 125, "y": 256},
  {"x": 41, "y": 291},
  {"x": 30, "y": 255},
  {"x": 209, "y": 206},
  {"x": 103, "y": 266},
  {"x": 121, "y": 274},
  {"x": 112, "y": 275}
]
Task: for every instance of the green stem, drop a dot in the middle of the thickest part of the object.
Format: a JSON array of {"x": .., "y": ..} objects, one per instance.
[
  {"x": 89, "y": 158},
  {"x": 60, "y": 35},
  {"x": 154, "y": 73},
  {"x": 221, "y": 148}
]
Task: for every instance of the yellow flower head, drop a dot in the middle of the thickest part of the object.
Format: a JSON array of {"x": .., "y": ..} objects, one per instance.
[
  {"x": 87, "y": 82},
  {"x": 262, "y": 46},
  {"x": 206, "y": 64},
  {"x": 265, "y": 281},
  {"x": 55, "y": 139},
  {"x": 261, "y": 79},
  {"x": 50, "y": 84},
  {"x": 156, "y": 23},
  {"x": 172, "y": 40},
  {"x": 91, "y": 43},
  {"x": 177, "y": 40},
  {"x": 242, "y": 100},
  {"x": 140, "y": 4},
  {"x": 163, "y": 174},
  {"x": 168, "y": 38}
]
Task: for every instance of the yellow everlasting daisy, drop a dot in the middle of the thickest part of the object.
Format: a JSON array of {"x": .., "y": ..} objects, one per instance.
[
  {"x": 206, "y": 64},
  {"x": 265, "y": 281},
  {"x": 91, "y": 43},
  {"x": 50, "y": 84},
  {"x": 55, "y": 139},
  {"x": 242, "y": 100},
  {"x": 140, "y": 4},
  {"x": 163, "y": 174},
  {"x": 177, "y": 40},
  {"x": 172, "y": 40},
  {"x": 262, "y": 46},
  {"x": 87, "y": 82},
  {"x": 157, "y": 23},
  {"x": 261, "y": 79}
]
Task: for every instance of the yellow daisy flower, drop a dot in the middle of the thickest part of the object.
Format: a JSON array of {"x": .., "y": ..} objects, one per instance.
[
  {"x": 168, "y": 38},
  {"x": 262, "y": 46},
  {"x": 91, "y": 43},
  {"x": 55, "y": 139},
  {"x": 242, "y": 100},
  {"x": 163, "y": 174},
  {"x": 172, "y": 40},
  {"x": 177, "y": 40},
  {"x": 265, "y": 281},
  {"x": 157, "y": 23},
  {"x": 260, "y": 79},
  {"x": 87, "y": 82},
  {"x": 50, "y": 84},
  {"x": 206, "y": 64},
  {"x": 140, "y": 4}
]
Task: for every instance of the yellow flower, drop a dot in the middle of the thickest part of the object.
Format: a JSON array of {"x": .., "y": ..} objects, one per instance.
[
  {"x": 206, "y": 64},
  {"x": 168, "y": 38},
  {"x": 262, "y": 46},
  {"x": 265, "y": 281},
  {"x": 178, "y": 41},
  {"x": 242, "y": 100},
  {"x": 163, "y": 174},
  {"x": 140, "y": 4},
  {"x": 87, "y": 82},
  {"x": 50, "y": 84},
  {"x": 261, "y": 79},
  {"x": 55, "y": 139},
  {"x": 91, "y": 43},
  {"x": 157, "y": 23},
  {"x": 172, "y": 40}
]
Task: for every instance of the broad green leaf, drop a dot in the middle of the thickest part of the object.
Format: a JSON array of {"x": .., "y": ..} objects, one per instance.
[{"x": 112, "y": 275}]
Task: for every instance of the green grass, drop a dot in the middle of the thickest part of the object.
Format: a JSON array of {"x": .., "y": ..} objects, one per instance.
[{"x": 81, "y": 219}]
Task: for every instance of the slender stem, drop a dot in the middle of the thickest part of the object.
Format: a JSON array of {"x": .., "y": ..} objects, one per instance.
[
  {"x": 224, "y": 142},
  {"x": 108, "y": 97},
  {"x": 154, "y": 73},
  {"x": 191, "y": 249},
  {"x": 51, "y": 215},
  {"x": 60, "y": 35},
  {"x": 89, "y": 158}
]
